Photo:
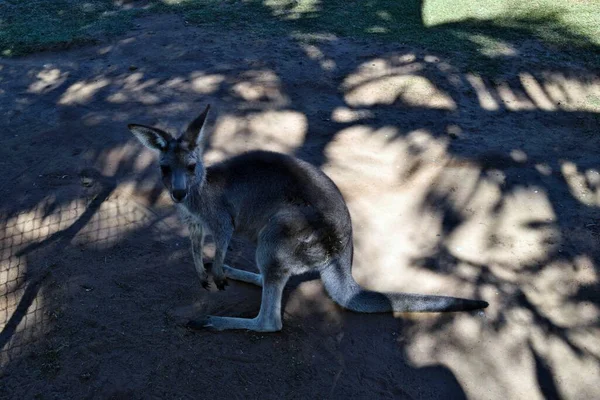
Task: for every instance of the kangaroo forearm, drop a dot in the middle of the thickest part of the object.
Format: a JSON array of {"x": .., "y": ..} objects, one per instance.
[
  {"x": 197, "y": 255},
  {"x": 217, "y": 265},
  {"x": 197, "y": 242}
]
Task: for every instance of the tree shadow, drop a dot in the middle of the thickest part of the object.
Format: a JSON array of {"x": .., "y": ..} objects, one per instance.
[
  {"x": 544, "y": 377},
  {"x": 486, "y": 94}
]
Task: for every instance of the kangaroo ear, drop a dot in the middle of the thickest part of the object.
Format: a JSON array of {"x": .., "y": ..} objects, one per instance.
[
  {"x": 150, "y": 137},
  {"x": 195, "y": 130}
]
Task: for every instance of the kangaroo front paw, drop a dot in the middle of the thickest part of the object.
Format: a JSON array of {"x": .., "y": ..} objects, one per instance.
[
  {"x": 205, "y": 284},
  {"x": 221, "y": 283}
]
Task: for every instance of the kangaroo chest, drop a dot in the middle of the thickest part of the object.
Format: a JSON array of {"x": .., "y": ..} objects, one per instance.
[{"x": 191, "y": 218}]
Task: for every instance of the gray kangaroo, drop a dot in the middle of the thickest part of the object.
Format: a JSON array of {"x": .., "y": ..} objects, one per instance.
[{"x": 290, "y": 209}]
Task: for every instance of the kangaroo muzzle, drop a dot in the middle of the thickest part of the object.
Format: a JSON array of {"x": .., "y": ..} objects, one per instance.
[{"x": 178, "y": 186}]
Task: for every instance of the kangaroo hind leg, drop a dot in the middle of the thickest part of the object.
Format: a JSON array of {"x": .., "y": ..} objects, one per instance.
[
  {"x": 278, "y": 258},
  {"x": 242, "y": 276},
  {"x": 268, "y": 318},
  {"x": 238, "y": 274},
  {"x": 274, "y": 276}
]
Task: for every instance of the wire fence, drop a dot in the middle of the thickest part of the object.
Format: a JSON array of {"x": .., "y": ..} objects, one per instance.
[{"x": 38, "y": 245}]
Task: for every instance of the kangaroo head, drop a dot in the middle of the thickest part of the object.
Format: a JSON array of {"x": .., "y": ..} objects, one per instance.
[{"x": 180, "y": 162}]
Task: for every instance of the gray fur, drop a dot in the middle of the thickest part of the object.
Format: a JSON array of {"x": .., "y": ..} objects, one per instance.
[{"x": 292, "y": 211}]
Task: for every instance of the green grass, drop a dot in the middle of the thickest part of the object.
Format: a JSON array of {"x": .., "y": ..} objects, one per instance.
[
  {"x": 483, "y": 34},
  {"x": 27, "y": 26},
  {"x": 482, "y": 31}
]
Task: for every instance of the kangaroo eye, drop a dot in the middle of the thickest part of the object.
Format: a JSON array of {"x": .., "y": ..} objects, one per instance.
[
  {"x": 165, "y": 169},
  {"x": 191, "y": 167}
]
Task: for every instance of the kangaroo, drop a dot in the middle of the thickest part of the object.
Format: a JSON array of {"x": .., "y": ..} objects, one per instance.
[{"x": 290, "y": 209}]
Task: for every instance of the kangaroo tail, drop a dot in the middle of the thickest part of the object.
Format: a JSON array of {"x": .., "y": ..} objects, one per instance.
[{"x": 343, "y": 289}]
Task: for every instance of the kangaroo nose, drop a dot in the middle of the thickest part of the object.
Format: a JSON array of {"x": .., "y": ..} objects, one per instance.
[{"x": 178, "y": 195}]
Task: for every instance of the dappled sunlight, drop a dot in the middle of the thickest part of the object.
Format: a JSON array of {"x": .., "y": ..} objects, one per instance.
[
  {"x": 33, "y": 325},
  {"x": 24, "y": 317},
  {"x": 413, "y": 91},
  {"x": 400, "y": 180},
  {"x": 205, "y": 84},
  {"x": 504, "y": 358},
  {"x": 537, "y": 93},
  {"x": 260, "y": 85},
  {"x": 112, "y": 222},
  {"x": 47, "y": 79},
  {"x": 557, "y": 91},
  {"x": 547, "y": 91},
  {"x": 513, "y": 100},
  {"x": 485, "y": 234},
  {"x": 133, "y": 89},
  {"x": 314, "y": 53},
  {"x": 383, "y": 160},
  {"x": 404, "y": 64},
  {"x": 584, "y": 185},
  {"x": 374, "y": 155},
  {"x": 386, "y": 183},
  {"x": 492, "y": 47},
  {"x": 36, "y": 225},
  {"x": 293, "y": 9},
  {"x": 521, "y": 233},
  {"x": 510, "y": 355},
  {"x": 576, "y": 373},
  {"x": 282, "y": 131},
  {"x": 485, "y": 96},
  {"x": 554, "y": 285},
  {"x": 345, "y": 115},
  {"x": 377, "y": 82},
  {"x": 82, "y": 92},
  {"x": 34, "y": 255}
]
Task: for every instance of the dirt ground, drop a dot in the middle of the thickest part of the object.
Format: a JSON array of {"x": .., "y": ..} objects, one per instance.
[{"x": 459, "y": 183}]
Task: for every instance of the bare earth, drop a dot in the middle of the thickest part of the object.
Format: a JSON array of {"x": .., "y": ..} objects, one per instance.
[{"x": 458, "y": 184}]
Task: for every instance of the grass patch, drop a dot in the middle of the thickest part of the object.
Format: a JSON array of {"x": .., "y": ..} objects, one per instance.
[
  {"x": 480, "y": 31},
  {"x": 28, "y": 26}
]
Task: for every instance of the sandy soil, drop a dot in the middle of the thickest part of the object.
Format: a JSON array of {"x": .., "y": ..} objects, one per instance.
[{"x": 459, "y": 183}]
